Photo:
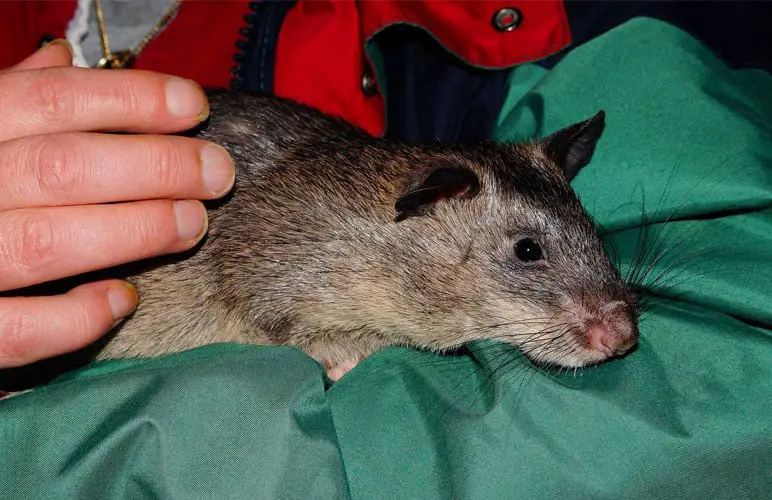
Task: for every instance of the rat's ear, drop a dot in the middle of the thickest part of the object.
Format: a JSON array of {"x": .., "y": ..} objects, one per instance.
[
  {"x": 427, "y": 186},
  {"x": 573, "y": 147}
]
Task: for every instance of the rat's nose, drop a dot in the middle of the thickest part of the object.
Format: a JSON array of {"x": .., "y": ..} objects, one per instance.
[{"x": 611, "y": 340}]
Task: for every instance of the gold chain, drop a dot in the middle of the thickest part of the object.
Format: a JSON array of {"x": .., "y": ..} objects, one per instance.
[{"x": 125, "y": 58}]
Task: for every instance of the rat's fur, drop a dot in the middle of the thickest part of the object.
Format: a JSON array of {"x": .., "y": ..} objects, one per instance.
[{"x": 309, "y": 251}]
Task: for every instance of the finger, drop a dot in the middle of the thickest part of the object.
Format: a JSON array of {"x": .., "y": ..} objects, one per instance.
[
  {"x": 55, "y": 100},
  {"x": 39, "y": 245},
  {"x": 79, "y": 169},
  {"x": 57, "y": 53},
  {"x": 35, "y": 328}
]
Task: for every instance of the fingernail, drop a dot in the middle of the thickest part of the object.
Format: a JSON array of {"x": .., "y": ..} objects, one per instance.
[
  {"x": 123, "y": 299},
  {"x": 191, "y": 219},
  {"x": 185, "y": 99},
  {"x": 217, "y": 169},
  {"x": 63, "y": 42}
]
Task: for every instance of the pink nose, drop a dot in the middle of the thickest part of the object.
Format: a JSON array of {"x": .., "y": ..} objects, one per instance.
[{"x": 610, "y": 340}]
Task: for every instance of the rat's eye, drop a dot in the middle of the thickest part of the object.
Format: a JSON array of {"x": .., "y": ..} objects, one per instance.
[{"x": 528, "y": 250}]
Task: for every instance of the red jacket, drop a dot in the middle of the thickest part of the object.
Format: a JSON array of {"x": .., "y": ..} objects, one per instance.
[{"x": 320, "y": 58}]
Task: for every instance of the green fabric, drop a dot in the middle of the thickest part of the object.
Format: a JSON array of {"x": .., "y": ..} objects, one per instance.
[
  {"x": 688, "y": 415},
  {"x": 520, "y": 81}
]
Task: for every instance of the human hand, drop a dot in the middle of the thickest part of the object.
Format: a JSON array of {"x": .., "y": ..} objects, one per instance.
[{"x": 74, "y": 200}]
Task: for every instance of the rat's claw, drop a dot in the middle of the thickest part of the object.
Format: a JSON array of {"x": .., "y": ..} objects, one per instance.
[
  {"x": 337, "y": 371},
  {"x": 6, "y": 395}
]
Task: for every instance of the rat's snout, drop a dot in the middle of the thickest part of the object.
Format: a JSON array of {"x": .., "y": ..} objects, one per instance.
[
  {"x": 611, "y": 340},
  {"x": 600, "y": 330},
  {"x": 613, "y": 331}
]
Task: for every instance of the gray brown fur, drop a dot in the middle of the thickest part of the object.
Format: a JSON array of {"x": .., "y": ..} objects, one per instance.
[{"x": 307, "y": 252}]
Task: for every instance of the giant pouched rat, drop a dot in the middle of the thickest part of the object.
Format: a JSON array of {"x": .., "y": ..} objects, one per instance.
[{"x": 340, "y": 244}]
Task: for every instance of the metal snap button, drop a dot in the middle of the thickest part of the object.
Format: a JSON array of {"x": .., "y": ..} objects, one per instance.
[
  {"x": 507, "y": 19},
  {"x": 369, "y": 85}
]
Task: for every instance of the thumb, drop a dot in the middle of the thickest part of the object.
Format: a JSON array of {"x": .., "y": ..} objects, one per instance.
[{"x": 57, "y": 53}]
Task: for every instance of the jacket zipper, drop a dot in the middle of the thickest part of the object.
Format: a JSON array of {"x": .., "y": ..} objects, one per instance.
[{"x": 246, "y": 46}]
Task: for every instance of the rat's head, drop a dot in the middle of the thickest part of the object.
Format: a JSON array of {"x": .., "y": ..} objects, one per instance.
[{"x": 504, "y": 250}]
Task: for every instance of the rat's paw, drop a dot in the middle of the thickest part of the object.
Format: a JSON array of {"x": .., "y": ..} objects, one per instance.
[{"x": 336, "y": 372}]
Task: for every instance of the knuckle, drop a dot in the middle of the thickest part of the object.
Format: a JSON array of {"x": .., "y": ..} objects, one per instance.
[
  {"x": 53, "y": 97},
  {"x": 37, "y": 241},
  {"x": 147, "y": 231},
  {"x": 82, "y": 319},
  {"x": 152, "y": 231},
  {"x": 133, "y": 99},
  {"x": 54, "y": 169},
  {"x": 128, "y": 98},
  {"x": 17, "y": 334},
  {"x": 167, "y": 159},
  {"x": 34, "y": 249},
  {"x": 138, "y": 230}
]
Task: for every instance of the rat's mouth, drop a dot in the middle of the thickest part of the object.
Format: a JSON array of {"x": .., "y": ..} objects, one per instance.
[{"x": 584, "y": 337}]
